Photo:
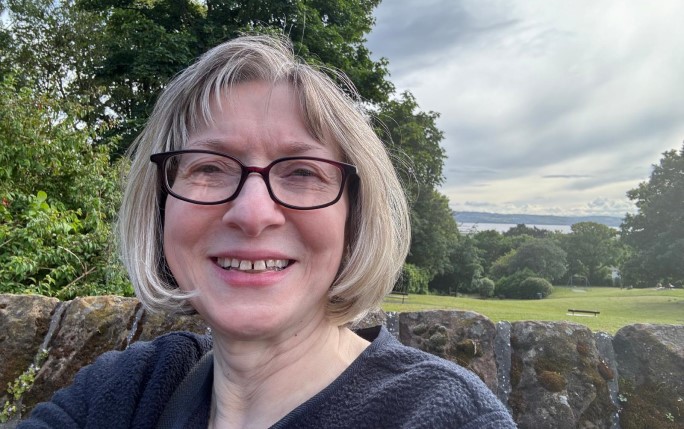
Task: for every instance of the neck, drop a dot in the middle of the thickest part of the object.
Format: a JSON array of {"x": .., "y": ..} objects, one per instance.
[{"x": 256, "y": 383}]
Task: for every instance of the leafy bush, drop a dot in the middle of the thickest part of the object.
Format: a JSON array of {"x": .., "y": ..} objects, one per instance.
[
  {"x": 500, "y": 267},
  {"x": 58, "y": 199},
  {"x": 485, "y": 287},
  {"x": 535, "y": 287},
  {"x": 414, "y": 279},
  {"x": 523, "y": 284}
]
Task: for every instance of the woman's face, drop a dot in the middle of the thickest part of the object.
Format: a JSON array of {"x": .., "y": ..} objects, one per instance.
[{"x": 256, "y": 124}]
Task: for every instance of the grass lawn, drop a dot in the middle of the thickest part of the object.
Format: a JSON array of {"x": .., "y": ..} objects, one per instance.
[{"x": 618, "y": 307}]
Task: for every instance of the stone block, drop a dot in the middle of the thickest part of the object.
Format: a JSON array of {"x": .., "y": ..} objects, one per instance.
[
  {"x": 464, "y": 337},
  {"x": 556, "y": 377},
  {"x": 24, "y": 323}
]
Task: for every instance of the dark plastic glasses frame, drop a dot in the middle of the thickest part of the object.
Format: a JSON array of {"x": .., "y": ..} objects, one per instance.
[{"x": 160, "y": 159}]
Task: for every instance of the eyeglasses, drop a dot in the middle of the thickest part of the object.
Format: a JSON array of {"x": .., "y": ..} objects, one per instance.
[{"x": 207, "y": 177}]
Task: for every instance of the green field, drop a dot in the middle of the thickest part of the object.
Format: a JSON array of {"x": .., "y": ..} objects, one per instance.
[{"x": 618, "y": 307}]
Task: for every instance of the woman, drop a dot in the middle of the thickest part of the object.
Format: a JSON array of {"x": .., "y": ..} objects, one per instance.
[{"x": 260, "y": 198}]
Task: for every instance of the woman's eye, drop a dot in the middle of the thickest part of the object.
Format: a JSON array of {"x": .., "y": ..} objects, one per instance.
[
  {"x": 207, "y": 168},
  {"x": 303, "y": 172}
]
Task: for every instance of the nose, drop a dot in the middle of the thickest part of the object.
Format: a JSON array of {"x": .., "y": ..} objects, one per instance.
[{"x": 253, "y": 211}]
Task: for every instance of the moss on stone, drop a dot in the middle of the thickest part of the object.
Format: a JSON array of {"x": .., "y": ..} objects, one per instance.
[
  {"x": 650, "y": 405},
  {"x": 517, "y": 367},
  {"x": 552, "y": 381},
  {"x": 419, "y": 329},
  {"x": 466, "y": 350},
  {"x": 583, "y": 348},
  {"x": 605, "y": 371},
  {"x": 437, "y": 342},
  {"x": 553, "y": 364},
  {"x": 517, "y": 403}
]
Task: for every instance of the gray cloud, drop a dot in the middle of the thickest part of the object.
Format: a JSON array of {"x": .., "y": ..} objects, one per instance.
[
  {"x": 566, "y": 176},
  {"x": 543, "y": 105},
  {"x": 424, "y": 33}
]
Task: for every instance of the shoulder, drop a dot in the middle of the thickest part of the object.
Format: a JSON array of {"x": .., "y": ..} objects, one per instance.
[
  {"x": 168, "y": 354},
  {"x": 430, "y": 388},
  {"x": 421, "y": 369},
  {"x": 126, "y": 386}
]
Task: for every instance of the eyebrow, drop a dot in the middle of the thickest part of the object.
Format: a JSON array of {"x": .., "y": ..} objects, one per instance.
[{"x": 290, "y": 147}]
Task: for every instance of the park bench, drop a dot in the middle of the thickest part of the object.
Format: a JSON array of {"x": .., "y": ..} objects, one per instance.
[
  {"x": 574, "y": 312},
  {"x": 401, "y": 288}
]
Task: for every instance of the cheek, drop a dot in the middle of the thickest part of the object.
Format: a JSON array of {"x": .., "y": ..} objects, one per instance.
[
  {"x": 180, "y": 234},
  {"x": 328, "y": 235},
  {"x": 173, "y": 227}
]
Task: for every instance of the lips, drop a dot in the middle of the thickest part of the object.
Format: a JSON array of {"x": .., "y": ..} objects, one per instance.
[{"x": 255, "y": 266}]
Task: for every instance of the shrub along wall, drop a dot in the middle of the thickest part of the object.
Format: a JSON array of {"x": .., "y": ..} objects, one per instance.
[{"x": 550, "y": 375}]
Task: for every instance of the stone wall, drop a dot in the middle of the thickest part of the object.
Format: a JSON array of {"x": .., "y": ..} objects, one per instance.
[{"x": 549, "y": 374}]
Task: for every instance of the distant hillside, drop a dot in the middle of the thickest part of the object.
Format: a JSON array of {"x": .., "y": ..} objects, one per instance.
[{"x": 483, "y": 217}]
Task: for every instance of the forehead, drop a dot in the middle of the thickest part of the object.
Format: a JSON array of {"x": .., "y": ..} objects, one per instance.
[{"x": 254, "y": 110}]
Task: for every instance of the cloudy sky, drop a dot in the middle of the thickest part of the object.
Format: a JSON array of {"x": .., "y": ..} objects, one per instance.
[{"x": 548, "y": 107}]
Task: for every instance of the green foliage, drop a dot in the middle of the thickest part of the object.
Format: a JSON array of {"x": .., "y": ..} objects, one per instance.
[
  {"x": 534, "y": 287},
  {"x": 415, "y": 279},
  {"x": 116, "y": 55},
  {"x": 501, "y": 267},
  {"x": 655, "y": 232},
  {"x": 591, "y": 249},
  {"x": 541, "y": 256},
  {"x": 59, "y": 196},
  {"x": 465, "y": 266},
  {"x": 506, "y": 285},
  {"x": 53, "y": 47},
  {"x": 413, "y": 139},
  {"x": 522, "y": 229},
  {"x": 523, "y": 285},
  {"x": 12, "y": 407},
  {"x": 144, "y": 45},
  {"x": 434, "y": 233},
  {"x": 485, "y": 287},
  {"x": 491, "y": 246}
]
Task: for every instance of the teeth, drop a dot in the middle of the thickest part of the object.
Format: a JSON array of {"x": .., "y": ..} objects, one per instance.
[{"x": 258, "y": 265}]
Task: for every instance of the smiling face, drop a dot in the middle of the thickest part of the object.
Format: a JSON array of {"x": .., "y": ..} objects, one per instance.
[{"x": 261, "y": 270}]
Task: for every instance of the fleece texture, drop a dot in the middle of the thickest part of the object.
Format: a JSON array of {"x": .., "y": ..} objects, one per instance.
[{"x": 388, "y": 386}]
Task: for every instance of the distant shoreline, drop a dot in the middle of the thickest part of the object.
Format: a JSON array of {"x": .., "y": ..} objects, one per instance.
[
  {"x": 472, "y": 228},
  {"x": 532, "y": 220}
]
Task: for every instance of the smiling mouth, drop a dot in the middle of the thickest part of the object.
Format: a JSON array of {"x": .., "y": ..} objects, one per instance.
[{"x": 257, "y": 266}]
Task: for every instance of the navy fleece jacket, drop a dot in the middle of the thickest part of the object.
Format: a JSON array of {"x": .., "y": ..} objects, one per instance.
[{"x": 388, "y": 386}]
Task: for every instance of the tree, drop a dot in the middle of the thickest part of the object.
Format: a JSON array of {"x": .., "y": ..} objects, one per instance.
[
  {"x": 522, "y": 229},
  {"x": 591, "y": 248},
  {"x": 541, "y": 256},
  {"x": 413, "y": 139},
  {"x": 434, "y": 233},
  {"x": 59, "y": 196},
  {"x": 491, "y": 245},
  {"x": 465, "y": 269},
  {"x": 53, "y": 47},
  {"x": 145, "y": 43},
  {"x": 655, "y": 232}
]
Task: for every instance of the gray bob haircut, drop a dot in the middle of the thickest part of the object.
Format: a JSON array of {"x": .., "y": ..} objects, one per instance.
[{"x": 377, "y": 232}]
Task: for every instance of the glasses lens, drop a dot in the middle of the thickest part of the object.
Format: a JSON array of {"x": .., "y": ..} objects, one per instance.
[
  {"x": 305, "y": 183},
  {"x": 202, "y": 177}
]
